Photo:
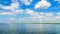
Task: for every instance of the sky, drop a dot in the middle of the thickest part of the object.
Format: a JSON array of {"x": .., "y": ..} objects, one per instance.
[{"x": 29, "y": 11}]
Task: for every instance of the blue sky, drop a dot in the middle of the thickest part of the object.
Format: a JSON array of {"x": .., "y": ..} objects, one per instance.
[{"x": 30, "y": 11}]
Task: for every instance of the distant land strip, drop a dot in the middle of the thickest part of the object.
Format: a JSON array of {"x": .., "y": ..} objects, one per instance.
[{"x": 35, "y": 23}]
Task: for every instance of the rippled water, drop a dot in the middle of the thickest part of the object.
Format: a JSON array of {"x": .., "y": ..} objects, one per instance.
[{"x": 29, "y": 28}]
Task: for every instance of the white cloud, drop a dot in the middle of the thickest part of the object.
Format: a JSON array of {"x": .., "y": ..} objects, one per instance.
[
  {"x": 42, "y": 13},
  {"x": 1, "y": 5},
  {"x": 12, "y": 19},
  {"x": 43, "y": 4},
  {"x": 14, "y": 8},
  {"x": 13, "y": 1},
  {"x": 57, "y": 17},
  {"x": 11, "y": 7},
  {"x": 13, "y": 12},
  {"x": 6, "y": 13},
  {"x": 42, "y": 17},
  {"x": 18, "y": 11},
  {"x": 9, "y": 20},
  {"x": 26, "y": 2},
  {"x": 28, "y": 11},
  {"x": 35, "y": 15},
  {"x": 50, "y": 14},
  {"x": 58, "y": 13},
  {"x": 6, "y": 7},
  {"x": 15, "y": 5}
]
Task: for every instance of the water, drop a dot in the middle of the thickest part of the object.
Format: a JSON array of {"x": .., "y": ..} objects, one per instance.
[{"x": 29, "y": 28}]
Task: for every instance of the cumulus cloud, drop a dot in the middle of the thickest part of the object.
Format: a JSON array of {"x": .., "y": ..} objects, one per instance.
[
  {"x": 43, "y": 4},
  {"x": 50, "y": 14},
  {"x": 13, "y": 1},
  {"x": 28, "y": 11},
  {"x": 11, "y": 7},
  {"x": 6, "y": 7},
  {"x": 43, "y": 17},
  {"x": 20, "y": 11},
  {"x": 6, "y": 13},
  {"x": 13, "y": 12},
  {"x": 26, "y": 2},
  {"x": 42, "y": 13},
  {"x": 35, "y": 15},
  {"x": 14, "y": 5}
]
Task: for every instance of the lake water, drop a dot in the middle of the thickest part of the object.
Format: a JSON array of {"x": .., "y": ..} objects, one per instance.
[{"x": 29, "y": 28}]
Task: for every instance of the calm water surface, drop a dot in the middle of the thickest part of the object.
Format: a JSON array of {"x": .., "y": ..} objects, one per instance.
[{"x": 29, "y": 28}]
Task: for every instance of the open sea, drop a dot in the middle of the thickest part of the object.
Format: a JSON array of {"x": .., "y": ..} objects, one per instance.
[{"x": 29, "y": 28}]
